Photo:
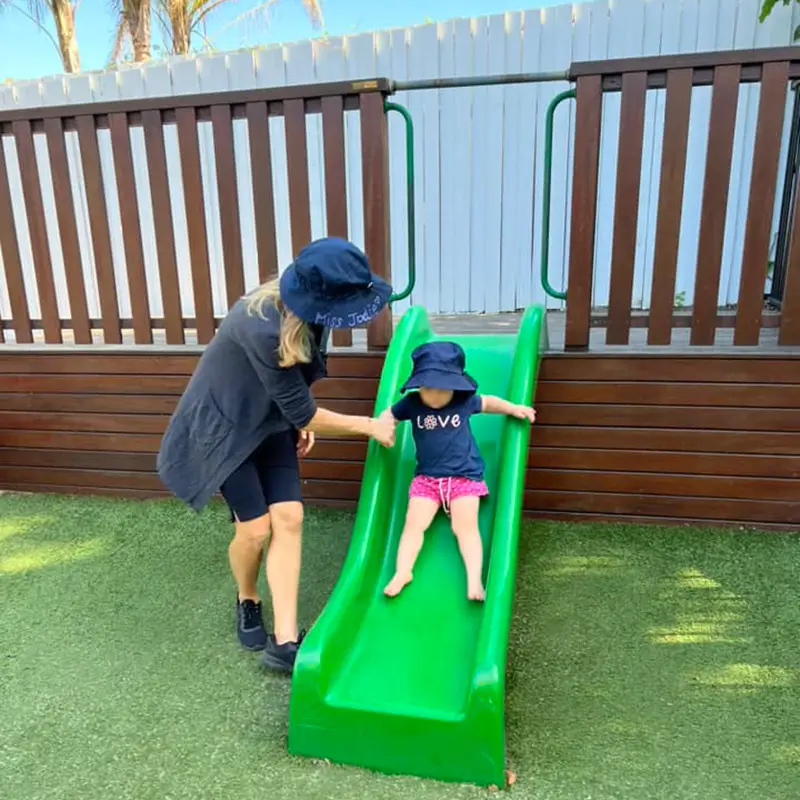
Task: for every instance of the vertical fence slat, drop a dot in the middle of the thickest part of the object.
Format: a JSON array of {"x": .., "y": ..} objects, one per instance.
[
  {"x": 12, "y": 261},
  {"x": 263, "y": 200},
  {"x": 584, "y": 212},
  {"x": 131, "y": 228},
  {"x": 98, "y": 223},
  {"x": 716, "y": 187},
  {"x": 34, "y": 207},
  {"x": 375, "y": 177},
  {"x": 68, "y": 232},
  {"x": 766, "y": 155},
  {"x": 626, "y": 206},
  {"x": 228, "y": 202},
  {"x": 196, "y": 222},
  {"x": 294, "y": 115},
  {"x": 335, "y": 184},
  {"x": 789, "y": 333},
  {"x": 163, "y": 226},
  {"x": 670, "y": 205}
]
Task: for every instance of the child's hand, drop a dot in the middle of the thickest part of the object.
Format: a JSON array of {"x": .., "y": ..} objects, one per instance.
[
  {"x": 524, "y": 412},
  {"x": 381, "y": 429}
]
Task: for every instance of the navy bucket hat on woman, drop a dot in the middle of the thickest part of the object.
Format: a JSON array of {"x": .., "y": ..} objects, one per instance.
[
  {"x": 330, "y": 284},
  {"x": 440, "y": 365}
]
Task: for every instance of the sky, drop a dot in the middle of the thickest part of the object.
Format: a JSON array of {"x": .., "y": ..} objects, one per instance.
[{"x": 25, "y": 52}]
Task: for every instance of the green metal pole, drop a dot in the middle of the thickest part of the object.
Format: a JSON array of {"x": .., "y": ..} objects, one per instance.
[
  {"x": 412, "y": 239},
  {"x": 548, "y": 176}
]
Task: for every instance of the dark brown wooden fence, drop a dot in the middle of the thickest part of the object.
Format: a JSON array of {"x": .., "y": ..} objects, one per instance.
[
  {"x": 724, "y": 72},
  {"x": 293, "y": 103}
]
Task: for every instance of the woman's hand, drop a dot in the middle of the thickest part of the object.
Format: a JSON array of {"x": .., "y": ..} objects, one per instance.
[
  {"x": 305, "y": 442},
  {"x": 381, "y": 429},
  {"x": 523, "y": 412}
]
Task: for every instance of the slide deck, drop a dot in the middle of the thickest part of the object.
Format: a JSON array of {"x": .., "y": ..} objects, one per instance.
[{"x": 415, "y": 684}]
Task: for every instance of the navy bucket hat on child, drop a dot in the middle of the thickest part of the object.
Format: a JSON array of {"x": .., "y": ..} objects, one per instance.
[
  {"x": 330, "y": 284},
  {"x": 440, "y": 365}
]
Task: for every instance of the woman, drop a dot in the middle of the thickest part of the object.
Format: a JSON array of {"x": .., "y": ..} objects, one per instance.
[{"x": 248, "y": 413}]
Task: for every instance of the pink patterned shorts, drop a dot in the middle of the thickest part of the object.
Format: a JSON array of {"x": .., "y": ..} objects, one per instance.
[{"x": 445, "y": 490}]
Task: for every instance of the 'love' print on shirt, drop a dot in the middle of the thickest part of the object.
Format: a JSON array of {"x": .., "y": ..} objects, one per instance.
[{"x": 432, "y": 421}]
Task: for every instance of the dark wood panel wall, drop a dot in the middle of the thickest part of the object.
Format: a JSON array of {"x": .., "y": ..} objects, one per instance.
[{"x": 662, "y": 438}]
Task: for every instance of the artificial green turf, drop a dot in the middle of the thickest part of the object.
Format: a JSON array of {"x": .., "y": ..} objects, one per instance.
[{"x": 645, "y": 663}]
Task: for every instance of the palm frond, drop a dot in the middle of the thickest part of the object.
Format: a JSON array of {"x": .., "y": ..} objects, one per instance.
[{"x": 119, "y": 41}]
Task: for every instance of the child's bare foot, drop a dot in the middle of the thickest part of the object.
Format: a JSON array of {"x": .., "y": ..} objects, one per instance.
[
  {"x": 397, "y": 584},
  {"x": 476, "y": 592}
]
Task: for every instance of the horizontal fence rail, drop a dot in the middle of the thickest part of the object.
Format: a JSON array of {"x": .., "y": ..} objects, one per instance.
[
  {"x": 727, "y": 156},
  {"x": 153, "y": 175}
]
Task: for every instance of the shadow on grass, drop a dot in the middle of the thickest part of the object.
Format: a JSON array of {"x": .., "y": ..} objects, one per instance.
[{"x": 656, "y": 663}]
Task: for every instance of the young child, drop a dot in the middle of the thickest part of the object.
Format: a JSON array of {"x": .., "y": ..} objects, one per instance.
[{"x": 449, "y": 471}]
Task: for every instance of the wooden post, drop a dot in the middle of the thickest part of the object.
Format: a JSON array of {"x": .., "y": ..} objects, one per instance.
[
  {"x": 626, "y": 206},
  {"x": 670, "y": 205},
  {"x": 131, "y": 228},
  {"x": 263, "y": 201},
  {"x": 12, "y": 261},
  {"x": 335, "y": 184},
  {"x": 584, "y": 212},
  {"x": 375, "y": 169},
  {"x": 98, "y": 224},
  {"x": 721, "y": 128},
  {"x": 227, "y": 189},
  {"x": 196, "y": 222},
  {"x": 766, "y": 156}
]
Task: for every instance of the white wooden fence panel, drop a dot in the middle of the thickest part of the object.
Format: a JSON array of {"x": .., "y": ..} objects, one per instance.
[
  {"x": 527, "y": 207},
  {"x": 555, "y": 50},
  {"x": 393, "y": 60},
  {"x": 581, "y": 50},
  {"x": 426, "y": 38},
  {"x": 360, "y": 59},
  {"x": 670, "y": 32},
  {"x": 643, "y": 266},
  {"x": 693, "y": 38},
  {"x": 479, "y": 152},
  {"x": 271, "y": 71}
]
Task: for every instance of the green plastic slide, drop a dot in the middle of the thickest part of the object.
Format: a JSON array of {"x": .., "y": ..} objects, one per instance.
[{"x": 416, "y": 684}]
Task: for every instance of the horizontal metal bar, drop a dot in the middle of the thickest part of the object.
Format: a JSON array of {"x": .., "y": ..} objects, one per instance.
[{"x": 479, "y": 80}]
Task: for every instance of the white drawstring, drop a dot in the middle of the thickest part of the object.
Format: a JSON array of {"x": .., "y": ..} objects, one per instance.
[{"x": 445, "y": 498}]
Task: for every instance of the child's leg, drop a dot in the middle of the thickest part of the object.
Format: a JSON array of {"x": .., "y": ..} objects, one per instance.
[
  {"x": 420, "y": 514},
  {"x": 464, "y": 513}
]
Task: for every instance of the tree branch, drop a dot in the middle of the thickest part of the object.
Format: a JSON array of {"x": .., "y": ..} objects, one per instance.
[{"x": 40, "y": 25}]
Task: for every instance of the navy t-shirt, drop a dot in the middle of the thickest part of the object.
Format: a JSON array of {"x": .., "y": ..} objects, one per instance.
[{"x": 446, "y": 447}]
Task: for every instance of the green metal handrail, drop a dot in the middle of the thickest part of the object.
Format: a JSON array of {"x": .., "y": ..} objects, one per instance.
[
  {"x": 548, "y": 175},
  {"x": 412, "y": 239}
]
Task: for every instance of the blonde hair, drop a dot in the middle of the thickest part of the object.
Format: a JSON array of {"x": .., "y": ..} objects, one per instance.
[{"x": 294, "y": 346}]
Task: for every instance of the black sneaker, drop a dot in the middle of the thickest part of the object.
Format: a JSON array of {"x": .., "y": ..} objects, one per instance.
[
  {"x": 249, "y": 625},
  {"x": 281, "y": 657}
]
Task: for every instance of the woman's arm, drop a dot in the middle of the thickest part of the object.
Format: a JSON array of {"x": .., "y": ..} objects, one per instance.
[
  {"x": 329, "y": 422},
  {"x": 287, "y": 387},
  {"x": 496, "y": 405}
]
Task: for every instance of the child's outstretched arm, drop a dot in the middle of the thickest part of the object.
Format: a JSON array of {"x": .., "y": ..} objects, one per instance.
[{"x": 496, "y": 405}]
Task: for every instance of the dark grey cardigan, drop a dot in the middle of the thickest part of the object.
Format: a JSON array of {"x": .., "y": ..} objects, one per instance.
[{"x": 237, "y": 397}]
